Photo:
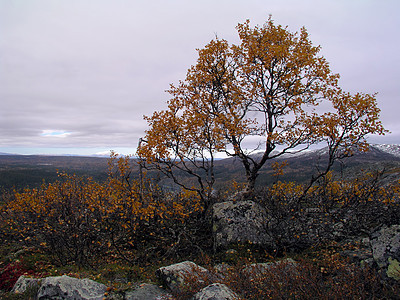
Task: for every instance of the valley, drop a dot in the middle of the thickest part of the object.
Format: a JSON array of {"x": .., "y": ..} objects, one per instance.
[{"x": 21, "y": 171}]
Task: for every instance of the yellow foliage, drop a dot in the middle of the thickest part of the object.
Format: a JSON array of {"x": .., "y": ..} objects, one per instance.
[
  {"x": 269, "y": 87},
  {"x": 76, "y": 218}
]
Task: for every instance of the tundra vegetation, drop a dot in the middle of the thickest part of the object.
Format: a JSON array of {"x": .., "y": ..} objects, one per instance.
[{"x": 269, "y": 88}]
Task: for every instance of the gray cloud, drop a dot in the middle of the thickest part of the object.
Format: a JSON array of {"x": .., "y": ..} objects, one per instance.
[{"x": 94, "y": 68}]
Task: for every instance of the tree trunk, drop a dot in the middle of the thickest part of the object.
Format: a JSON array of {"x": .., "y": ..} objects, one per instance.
[
  {"x": 250, "y": 187},
  {"x": 248, "y": 192}
]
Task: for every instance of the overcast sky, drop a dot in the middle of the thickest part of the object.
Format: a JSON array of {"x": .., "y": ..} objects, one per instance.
[{"x": 77, "y": 76}]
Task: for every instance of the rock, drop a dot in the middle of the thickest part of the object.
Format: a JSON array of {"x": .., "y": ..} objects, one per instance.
[
  {"x": 13, "y": 256},
  {"x": 260, "y": 269},
  {"x": 215, "y": 291},
  {"x": 338, "y": 230},
  {"x": 385, "y": 245},
  {"x": 221, "y": 271},
  {"x": 222, "y": 267},
  {"x": 147, "y": 292},
  {"x": 173, "y": 276},
  {"x": 242, "y": 221},
  {"x": 23, "y": 283},
  {"x": 68, "y": 288},
  {"x": 362, "y": 256},
  {"x": 358, "y": 250}
]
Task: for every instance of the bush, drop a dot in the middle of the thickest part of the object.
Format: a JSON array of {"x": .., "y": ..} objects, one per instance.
[
  {"x": 10, "y": 273},
  {"x": 78, "y": 220},
  {"x": 331, "y": 210}
]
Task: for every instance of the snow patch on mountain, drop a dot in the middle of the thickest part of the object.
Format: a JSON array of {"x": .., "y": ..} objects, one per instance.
[{"x": 393, "y": 149}]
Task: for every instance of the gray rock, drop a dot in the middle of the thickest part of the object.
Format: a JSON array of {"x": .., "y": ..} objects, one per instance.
[
  {"x": 23, "y": 283},
  {"x": 385, "y": 245},
  {"x": 68, "y": 288},
  {"x": 173, "y": 276},
  {"x": 215, "y": 291},
  {"x": 362, "y": 256},
  {"x": 242, "y": 221},
  {"x": 338, "y": 230},
  {"x": 260, "y": 269},
  {"x": 360, "y": 251},
  {"x": 222, "y": 269},
  {"x": 147, "y": 292}
]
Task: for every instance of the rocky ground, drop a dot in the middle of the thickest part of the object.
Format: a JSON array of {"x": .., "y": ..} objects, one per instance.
[{"x": 380, "y": 250}]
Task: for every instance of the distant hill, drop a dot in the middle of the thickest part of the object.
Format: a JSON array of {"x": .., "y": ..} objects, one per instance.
[
  {"x": 393, "y": 149},
  {"x": 302, "y": 166},
  {"x": 21, "y": 171}
]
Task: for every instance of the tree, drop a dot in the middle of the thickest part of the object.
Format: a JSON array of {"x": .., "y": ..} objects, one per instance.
[{"x": 267, "y": 90}]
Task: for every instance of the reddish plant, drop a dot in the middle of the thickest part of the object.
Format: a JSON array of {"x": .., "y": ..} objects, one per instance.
[{"x": 10, "y": 273}]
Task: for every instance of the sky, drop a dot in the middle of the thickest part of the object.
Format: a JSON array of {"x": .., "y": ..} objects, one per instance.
[{"x": 77, "y": 76}]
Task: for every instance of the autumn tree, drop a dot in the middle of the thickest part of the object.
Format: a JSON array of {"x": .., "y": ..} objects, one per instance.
[{"x": 256, "y": 101}]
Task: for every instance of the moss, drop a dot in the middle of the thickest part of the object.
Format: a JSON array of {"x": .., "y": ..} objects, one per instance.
[
  {"x": 214, "y": 228},
  {"x": 393, "y": 270}
]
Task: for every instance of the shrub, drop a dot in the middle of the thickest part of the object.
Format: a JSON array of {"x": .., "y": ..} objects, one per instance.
[
  {"x": 331, "y": 210},
  {"x": 10, "y": 273},
  {"x": 78, "y": 220}
]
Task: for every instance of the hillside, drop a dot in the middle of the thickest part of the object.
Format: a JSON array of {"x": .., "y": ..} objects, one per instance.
[
  {"x": 318, "y": 242},
  {"x": 300, "y": 167},
  {"x": 22, "y": 171},
  {"x": 30, "y": 170}
]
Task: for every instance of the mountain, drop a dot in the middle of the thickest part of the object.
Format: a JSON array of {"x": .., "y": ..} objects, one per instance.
[
  {"x": 4, "y": 153},
  {"x": 21, "y": 171},
  {"x": 393, "y": 149},
  {"x": 301, "y": 166},
  {"x": 30, "y": 170}
]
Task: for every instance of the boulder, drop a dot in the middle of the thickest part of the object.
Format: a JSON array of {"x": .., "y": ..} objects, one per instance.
[
  {"x": 385, "y": 244},
  {"x": 23, "y": 283},
  {"x": 173, "y": 276},
  {"x": 256, "y": 270},
  {"x": 221, "y": 270},
  {"x": 68, "y": 288},
  {"x": 360, "y": 251},
  {"x": 240, "y": 222},
  {"x": 215, "y": 291},
  {"x": 147, "y": 292},
  {"x": 264, "y": 267}
]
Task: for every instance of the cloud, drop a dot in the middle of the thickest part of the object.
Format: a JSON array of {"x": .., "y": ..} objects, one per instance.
[
  {"x": 92, "y": 69},
  {"x": 55, "y": 133}
]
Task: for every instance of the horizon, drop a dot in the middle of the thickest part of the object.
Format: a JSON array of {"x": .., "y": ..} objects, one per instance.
[
  {"x": 100, "y": 152},
  {"x": 76, "y": 77}
]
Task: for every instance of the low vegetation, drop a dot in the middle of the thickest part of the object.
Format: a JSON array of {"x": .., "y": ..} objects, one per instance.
[
  {"x": 77, "y": 220},
  {"x": 315, "y": 275},
  {"x": 125, "y": 228}
]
